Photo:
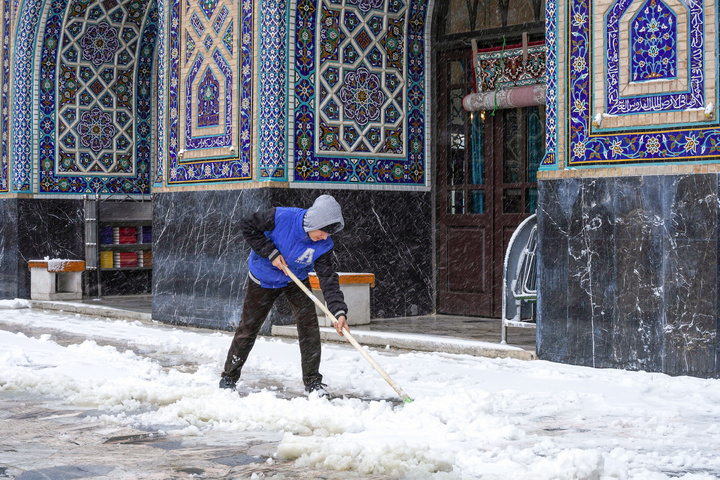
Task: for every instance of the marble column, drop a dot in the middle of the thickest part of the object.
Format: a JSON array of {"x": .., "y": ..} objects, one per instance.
[{"x": 628, "y": 273}]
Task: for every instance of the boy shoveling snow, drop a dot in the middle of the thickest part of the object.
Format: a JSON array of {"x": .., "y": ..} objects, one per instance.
[{"x": 297, "y": 239}]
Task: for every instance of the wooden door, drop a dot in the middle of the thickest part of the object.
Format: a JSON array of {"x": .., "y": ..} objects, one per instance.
[
  {"x": 464, "y": 197},
  {"x": 486, "y": 181}
]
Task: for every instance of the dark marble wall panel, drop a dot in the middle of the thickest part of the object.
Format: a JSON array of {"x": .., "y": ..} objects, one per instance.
[
  {"x": 642, "y": 279},
  {"x": 592, "y": 232},
  {"x": 132, "y": 282},
  {"x": 579, "y": 300},
  {"x": 200, "y": 259},
  {"x": 690, "y": 339},
  {"x": 34, "y": 228},
  {"x": 690, "y": 330},
  {"x": 389, "y": 234},
  {"x": 691, "y": 206},
  {"x": 717, "y": 294},
  {"x": 8, "y": 248},
  {"x": 52, "y": 228},
  {"x": 558, "y": 198},
  {"x": 552, "y": 334},
  {"x": 639, "y": 234}
]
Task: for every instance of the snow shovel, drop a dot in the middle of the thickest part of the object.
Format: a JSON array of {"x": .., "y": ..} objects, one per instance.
[{"x": 405, "y": 397}]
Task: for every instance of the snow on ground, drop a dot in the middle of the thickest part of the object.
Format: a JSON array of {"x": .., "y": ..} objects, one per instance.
[{"x": 472, "y": 417}]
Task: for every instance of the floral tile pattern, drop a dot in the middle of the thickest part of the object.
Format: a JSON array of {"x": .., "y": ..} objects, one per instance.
[
  {"x": 644, "y": 59},
  {"x": 653, "y": 40},
  {"x": 273, "y": 108},
  {"x": 104, "y": 113},
  {"x": 161, "y": 96},
  {"x": 4, "y": 100},
  {"x": 550, "y": 162},
  {"x": 587, "y": 147},
  {"x": 94, "y": 103},
  {"x": 22, "y": 116}
]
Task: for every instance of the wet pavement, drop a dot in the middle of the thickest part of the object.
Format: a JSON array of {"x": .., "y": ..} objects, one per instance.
[{"x": 46, "y": 438}]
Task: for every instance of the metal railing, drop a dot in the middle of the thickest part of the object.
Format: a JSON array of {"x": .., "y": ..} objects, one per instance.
[{"x": 520, "y": 278}]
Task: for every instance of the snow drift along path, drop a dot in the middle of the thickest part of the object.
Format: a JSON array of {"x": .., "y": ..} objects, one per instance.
[{"x": 471, "y": 418}]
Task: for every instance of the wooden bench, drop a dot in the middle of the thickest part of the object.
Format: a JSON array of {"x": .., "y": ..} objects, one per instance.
[
  {"x": 356, "y": 289},
  {"x": 56, "y": 279}
]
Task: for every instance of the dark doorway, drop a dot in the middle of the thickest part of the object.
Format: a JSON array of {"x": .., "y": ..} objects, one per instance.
[{"x": 486, "y": 170}]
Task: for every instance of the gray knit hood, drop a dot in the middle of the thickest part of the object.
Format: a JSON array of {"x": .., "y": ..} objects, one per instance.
[{"x": 325, "y": 212}]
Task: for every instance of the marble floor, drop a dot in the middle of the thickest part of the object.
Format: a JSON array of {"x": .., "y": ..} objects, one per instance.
[{"x": 468, "y": 328}]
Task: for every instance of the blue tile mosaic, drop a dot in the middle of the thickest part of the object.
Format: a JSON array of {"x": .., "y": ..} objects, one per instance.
[
  {"x": 4, "y": 101},
  {"x": 209, "y": 101},
  {"x": 105, "y": 169},
  {"x": 273, "y": 116},
  {"x": 73, "y": 72},
  {"x": 233, "y": 162},
  {"x": 551, "y": 93},
  {"x": 161, "y": 98},
  {"x": 616, "y": 103},
  {"x": 379, "y": 136},
  {"x": 653, "y": 43},
  {"x": 22, "y": 116},
  {"x": 586, "y": 147},
  {"x": 209, "y": 141}
]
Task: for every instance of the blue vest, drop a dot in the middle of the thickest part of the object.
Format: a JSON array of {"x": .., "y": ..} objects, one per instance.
[{"x": 294, "y": 245}]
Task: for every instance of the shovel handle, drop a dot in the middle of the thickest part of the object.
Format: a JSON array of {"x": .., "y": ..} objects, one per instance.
[{"x": 405, "y": 397}]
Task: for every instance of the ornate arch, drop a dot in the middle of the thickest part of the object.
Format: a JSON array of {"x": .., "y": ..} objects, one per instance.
[
  {"x": 4, "y": 98},
  {"x": 83, "y": 73}
]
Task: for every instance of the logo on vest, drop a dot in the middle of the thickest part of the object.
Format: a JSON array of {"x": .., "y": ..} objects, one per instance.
[{"x": 307, "y": 257}]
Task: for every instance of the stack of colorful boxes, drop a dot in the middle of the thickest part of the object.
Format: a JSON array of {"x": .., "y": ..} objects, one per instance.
[
  {"x": 106, "y": 238},
  {"x": 125, "y": 236}
]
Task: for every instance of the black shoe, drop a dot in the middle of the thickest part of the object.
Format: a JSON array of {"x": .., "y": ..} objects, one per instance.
[
  {"x": 316, "y": 387},
  {"x": 227, "y": 382}
]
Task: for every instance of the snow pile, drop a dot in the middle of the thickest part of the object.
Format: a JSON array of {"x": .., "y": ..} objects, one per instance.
[
  {"x": 57, "y": 264},
  {"x": 471, "y": 418},
  {"x": 13, "y": 304}
]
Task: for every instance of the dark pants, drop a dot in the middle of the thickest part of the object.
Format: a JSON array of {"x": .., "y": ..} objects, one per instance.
[{"x": 257, "y": 305}]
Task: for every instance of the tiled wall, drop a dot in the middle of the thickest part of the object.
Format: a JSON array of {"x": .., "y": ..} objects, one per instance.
[
  {"x": 5, "y": 98},
  {"x": 209, "y": 102},
  {"x": 628, "y": 240},
  {"x": 82, "y": 117},
  {"x": 341, "y": 85},
  {"x": 342, "y": 91},
  {"x": 632, "y": 97},
  {"x": 361, "y": 95}
]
